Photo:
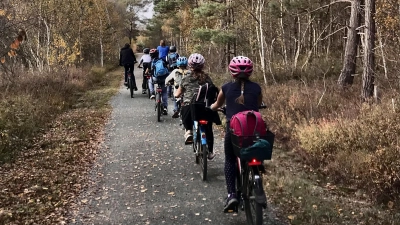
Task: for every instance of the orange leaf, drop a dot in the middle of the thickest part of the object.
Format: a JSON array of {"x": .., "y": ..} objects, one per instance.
[
  {"x": 15, "y": 44},
  {"x": 3, "y": 59}
]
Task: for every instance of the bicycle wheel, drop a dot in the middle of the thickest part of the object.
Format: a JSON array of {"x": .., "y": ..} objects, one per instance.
[
  {"x": 158, "y": 106},
  {"x": 130, "y": 82},
  {"x": 253, "y": 209},
  {"x": 203, "y": 159},
  {"x": 147, "y": 88},
  {"x": 196, "y": 148}
]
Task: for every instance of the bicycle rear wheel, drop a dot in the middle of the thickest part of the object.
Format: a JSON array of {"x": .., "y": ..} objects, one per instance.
[
  {"x": 203, "y": 161},
  {"x": 158, "y": 111},
  {"x": 130, "y": 83},
  {"x": 253, "y": 209}
]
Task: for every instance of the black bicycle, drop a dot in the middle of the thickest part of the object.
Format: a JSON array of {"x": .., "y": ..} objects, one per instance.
[
  {"x": 158, "y": 99},
  {"x": 130, "y": 83},
  {"x": 249, "y": 184},
  {"x": 146, "y": 77}
]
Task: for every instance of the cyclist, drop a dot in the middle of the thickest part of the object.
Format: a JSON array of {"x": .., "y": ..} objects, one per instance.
[
  {"x": 171, "y": 59},
  {"x": 189, "y": 86},
  {"x": 146, "y": 61},
  {"x": 176, "y": 76},
  {"x": 239, "y": 95},
  {"x": 127, "y": 59},
  {"x": 162, "y": 50},
  {"x": 154, "y": 58}
]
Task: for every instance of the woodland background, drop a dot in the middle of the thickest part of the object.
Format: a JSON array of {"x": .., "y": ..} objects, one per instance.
[{"x": 329, "y": 71}]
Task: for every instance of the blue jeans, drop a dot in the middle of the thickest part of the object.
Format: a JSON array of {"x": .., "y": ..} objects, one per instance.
[{"x": 164, "y": 89}]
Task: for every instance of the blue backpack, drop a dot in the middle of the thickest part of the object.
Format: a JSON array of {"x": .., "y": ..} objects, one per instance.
[
  {"x": 172, "y": 57},
  {"x": 160, "y": 70}
]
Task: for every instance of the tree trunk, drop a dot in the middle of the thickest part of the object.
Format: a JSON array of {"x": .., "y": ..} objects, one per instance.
[
  {"x": 369, "y": 52},
  {"x": 346, "y": 77}
]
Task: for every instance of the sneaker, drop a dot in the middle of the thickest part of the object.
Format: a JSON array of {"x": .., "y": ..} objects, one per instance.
[
  {"x": 231, "y": 204},
  {"x": 126, "y": 83},
  {"x": 188, "y": 137},
  {"x": 135, "y": 88},
  {"x": 176, "y": 114},
  {"x": 153, "y": 96},
  {"x": 144, "y": 92},
  {"x": 211, "y": 155},
  {"x": 165, "y": 111}
]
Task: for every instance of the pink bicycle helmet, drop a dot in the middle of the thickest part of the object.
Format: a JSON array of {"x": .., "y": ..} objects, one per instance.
[
  {"x": 241, "y": 65},
  {"x": 196, "y": 61}
]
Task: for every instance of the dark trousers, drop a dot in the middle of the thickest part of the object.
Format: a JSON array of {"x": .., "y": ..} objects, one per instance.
[
  {"x": 129, "y": 68},
  {"x": 187, "y": 122},
  {"x": 230, "y": 162}
]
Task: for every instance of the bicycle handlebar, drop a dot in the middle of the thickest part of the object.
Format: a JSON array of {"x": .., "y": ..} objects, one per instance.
[{"x": 223, "y": 109}]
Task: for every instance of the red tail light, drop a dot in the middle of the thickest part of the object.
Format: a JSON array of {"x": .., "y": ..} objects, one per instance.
[
  {"x": 203, "y": 122},
  {"x": 255, "y": 162}
]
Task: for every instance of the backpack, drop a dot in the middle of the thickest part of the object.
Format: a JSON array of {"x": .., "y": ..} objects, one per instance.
[
  {"x": 159, "y": 68},
  {"x": 247, "y": 128},
  {"x": 206, "y": 94},
  {"x": 172, "y": 57}
]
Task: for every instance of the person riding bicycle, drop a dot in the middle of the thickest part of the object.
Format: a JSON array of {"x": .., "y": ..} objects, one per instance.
[
  {"x": 189, "y": 87},
  {"x": 163, "y": 50},
  {"x": 239, "y": 95},
  {"x": 175, "y": 77},
  {"x": 146, "y": 61},
  {"x": 127, "y": 59},
  {"x": 171, "y": 60},
  {"x": 159, "y": 80}
]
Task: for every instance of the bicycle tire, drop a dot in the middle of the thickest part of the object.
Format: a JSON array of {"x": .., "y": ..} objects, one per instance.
[
  {"x": 147, "y": 88},
  {"x": 249, "y": 201},
  {"x": 130, "y": 81},
  {"x": 158, "y": 110},
  {"x": 196, "y": 146},
  {"x": 203, "y": 164}
]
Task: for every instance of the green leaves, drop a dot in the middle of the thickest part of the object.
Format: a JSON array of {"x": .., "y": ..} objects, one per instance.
[{"x": 216, "y": 36}]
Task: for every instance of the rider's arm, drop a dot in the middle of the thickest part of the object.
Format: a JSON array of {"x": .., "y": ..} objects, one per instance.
[
  {"x": 170, "y": 77},
  {"x": 220, "y": 101},
  {"x": 178, "y": 92}
]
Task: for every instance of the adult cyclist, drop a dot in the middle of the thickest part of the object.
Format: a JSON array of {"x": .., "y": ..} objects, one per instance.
[
  {"x": 163, "y": 50},
  {"x": 127, "y": 59},
  {"x": 146, "y": 61},
  {"x": 160, "y": 80}
]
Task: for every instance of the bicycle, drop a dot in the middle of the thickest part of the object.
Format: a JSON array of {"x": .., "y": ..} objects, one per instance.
[
  {"x": 131, "y": 84},
  {"x": 249, "y": 187},
  {"x": 158, "y": 100},
  {"x": 146, "y": 77},
  {"x": 200, "y": 146}
]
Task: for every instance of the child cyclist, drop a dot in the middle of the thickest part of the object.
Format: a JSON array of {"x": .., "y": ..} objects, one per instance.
[
  {"x": 161, "y": 81},
  {"x": 188, "y": 87},
  {"x": 171, "y": 59},
  {"x": 146, "y": 61},
  {"x": 176, "y": 77},
  {"x": 239, "y": 95}
]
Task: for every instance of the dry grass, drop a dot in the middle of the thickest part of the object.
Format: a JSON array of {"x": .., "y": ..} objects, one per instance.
[{"x": 32, "y": 100}]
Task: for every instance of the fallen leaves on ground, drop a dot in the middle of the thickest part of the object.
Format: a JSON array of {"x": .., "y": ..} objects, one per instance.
[{"x": 40, "y": 185}]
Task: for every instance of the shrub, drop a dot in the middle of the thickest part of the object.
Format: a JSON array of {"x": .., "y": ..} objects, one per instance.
[{"x": 362, "y": 152}]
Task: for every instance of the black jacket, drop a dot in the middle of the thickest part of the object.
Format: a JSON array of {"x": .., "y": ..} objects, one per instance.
[{"x": 126, "y": 56}]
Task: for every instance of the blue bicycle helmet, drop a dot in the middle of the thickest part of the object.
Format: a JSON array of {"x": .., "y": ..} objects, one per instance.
[{"x": 182, "y": 61}]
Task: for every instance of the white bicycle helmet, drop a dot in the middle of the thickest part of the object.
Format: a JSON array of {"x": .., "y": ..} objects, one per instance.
[{"x": 196, "y": 61}]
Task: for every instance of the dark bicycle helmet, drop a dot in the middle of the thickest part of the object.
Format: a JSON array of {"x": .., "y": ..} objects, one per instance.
[
  {"x": 153, "y": 53},
  {"x": 172, "y": 49},
  {"x": 146, "y": 51}
]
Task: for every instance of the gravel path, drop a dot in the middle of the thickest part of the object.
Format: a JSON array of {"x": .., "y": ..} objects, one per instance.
[{"x": 146, "y": 175}]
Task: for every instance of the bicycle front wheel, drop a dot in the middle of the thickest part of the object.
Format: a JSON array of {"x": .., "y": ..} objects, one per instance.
[{"x": 253, "y": 209}]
